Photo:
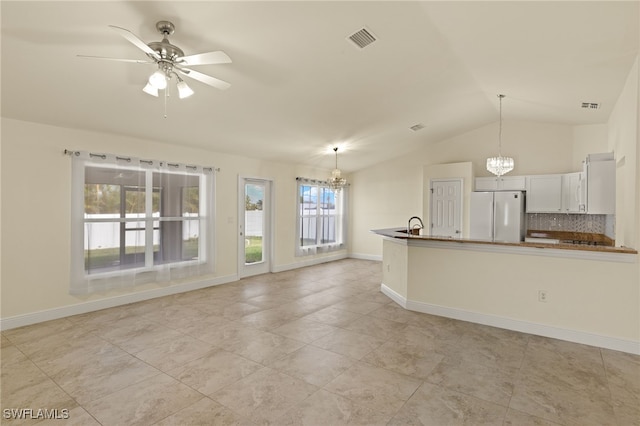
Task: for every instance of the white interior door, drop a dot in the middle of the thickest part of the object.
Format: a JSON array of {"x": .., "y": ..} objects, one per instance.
[
  {"x": 446, "y": 208},
  {"x": 254, "y": 256}
]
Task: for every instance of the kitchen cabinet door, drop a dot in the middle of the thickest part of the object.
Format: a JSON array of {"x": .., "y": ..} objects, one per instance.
[
  {"x": 544, "y": 194},
  {"x": 486, "y": 184},
  {"x": 512, "y": 183},
  {"x": 601, "y": 187},
  {"x": 572, "y": 193},
  {"x": 503, "y": 183}
]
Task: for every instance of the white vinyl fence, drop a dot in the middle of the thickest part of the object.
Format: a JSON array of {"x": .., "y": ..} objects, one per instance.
[
  {"x": 253, "y": 223},
  {"x": 101, "y": 235}
]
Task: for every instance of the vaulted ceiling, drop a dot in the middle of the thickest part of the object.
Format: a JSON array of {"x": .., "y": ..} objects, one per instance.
[{"x": 300, "y": 87}]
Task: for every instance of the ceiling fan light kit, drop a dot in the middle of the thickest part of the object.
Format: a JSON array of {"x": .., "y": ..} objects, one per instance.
[
  {"x": 184, "y": 91},
  {"x": 150, "y": 89},
  {"x": 158, "y": 80},
  {"x": 171, "y": 61}
]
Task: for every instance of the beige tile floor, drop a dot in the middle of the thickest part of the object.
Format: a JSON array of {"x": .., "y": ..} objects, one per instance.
[{"x": 315, "y": 346}]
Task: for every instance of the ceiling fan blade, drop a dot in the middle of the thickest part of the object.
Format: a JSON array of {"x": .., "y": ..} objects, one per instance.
[
  {"x": 137, "y": 61},
  {"x": 209, "y": 58},
  {"x": 131, "y": 37},
  {"x": 206, "y": 79}
]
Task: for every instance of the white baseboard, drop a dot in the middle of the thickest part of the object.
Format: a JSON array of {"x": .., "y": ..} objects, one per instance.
[
  {"x": 110, "y": 302},
  {"x": 309, "y": 262},
  {"x": 363, "y": 256},
  {"x": 575, "y": 336},
  {"x": 393, "y": 295}
]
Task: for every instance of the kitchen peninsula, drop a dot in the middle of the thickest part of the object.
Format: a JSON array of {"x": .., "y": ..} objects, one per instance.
[{"x": 565, "y": 291}]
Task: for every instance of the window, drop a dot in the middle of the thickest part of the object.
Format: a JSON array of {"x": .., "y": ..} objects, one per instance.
[
  {"x": 137, "y": 221},
  {"x": 321, "y": 217}
]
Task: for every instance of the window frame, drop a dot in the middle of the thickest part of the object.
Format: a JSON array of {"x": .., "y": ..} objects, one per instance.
[
  {"x": 152, "y": 268},
  {"x": 339, "y": 228}
]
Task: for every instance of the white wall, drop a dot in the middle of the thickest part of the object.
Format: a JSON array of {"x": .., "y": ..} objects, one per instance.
[
  {"x": 588, "y": 139},
  {"x": 383, "y": 196},
  {"x": 35, "y": 241},
  {"x": 537, "y": 148},
  {"x": 623, "y": 140}
]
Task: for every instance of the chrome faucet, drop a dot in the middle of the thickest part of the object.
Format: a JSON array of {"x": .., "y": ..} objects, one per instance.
[{"x": 417, "y": 227}]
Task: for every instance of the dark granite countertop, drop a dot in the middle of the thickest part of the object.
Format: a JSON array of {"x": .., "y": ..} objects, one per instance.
[{"x": 401, "y": 233}]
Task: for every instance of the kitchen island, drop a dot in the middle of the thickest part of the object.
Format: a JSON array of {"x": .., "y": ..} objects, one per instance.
[
  {"x": 401, "y": 233},
  {"x": 581, "y": 293}
]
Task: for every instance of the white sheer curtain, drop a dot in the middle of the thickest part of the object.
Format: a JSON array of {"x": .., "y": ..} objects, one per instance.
[
  {"x": 321, "y": 217},
  {"x": 137, "y": 221}
]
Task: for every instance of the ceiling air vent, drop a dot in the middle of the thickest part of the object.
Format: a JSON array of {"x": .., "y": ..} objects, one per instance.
[
  {"x": 362, "y": 38},
  {"x": 417, "y": 127},
  {"x": 590, "y": 105}
]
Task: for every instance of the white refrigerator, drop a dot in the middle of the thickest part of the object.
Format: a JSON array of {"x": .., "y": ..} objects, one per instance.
[{"x": 497, "y": 216}]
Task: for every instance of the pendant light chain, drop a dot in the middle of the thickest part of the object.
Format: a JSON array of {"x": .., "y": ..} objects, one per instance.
[
  {"x": 500, "y": 129},
  {"x": 166, "y": 95}
]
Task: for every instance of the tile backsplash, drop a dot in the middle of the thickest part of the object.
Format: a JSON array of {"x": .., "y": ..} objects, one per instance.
[{"x": 591, "y": 223}]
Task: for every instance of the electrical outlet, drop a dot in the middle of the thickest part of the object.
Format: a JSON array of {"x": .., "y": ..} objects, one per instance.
[
  {"x": 542, "y": 296},
  {"x": 388, "y": 267}
]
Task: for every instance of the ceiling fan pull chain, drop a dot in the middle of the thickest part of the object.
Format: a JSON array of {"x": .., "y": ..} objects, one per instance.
[{"x": 166, "y": 95}]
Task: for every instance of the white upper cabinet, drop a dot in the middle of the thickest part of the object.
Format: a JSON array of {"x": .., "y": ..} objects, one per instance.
[
  {"x": 503, "y": 183},
  {"x": 573, "y": 193},
  {"x": 592, "y": 191},
  {"x": 544, "y": 194},
  {"x": 601, "y": 186}
]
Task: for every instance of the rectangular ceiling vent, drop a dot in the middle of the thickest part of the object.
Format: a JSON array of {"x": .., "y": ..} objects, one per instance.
[
  {"x": 590, "y": 105},
  {"x": 362, "y": 38}
]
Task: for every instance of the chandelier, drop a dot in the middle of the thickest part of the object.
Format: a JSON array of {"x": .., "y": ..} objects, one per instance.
[
  {"x": 336, "y": 182},
  {"x": 500, "y": 165}
]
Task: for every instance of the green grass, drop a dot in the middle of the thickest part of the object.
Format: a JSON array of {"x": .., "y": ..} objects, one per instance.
[
  {"x": 189, "y": 248},
  {"x": 110, "y": 257},
  {"x": 253, "y": 251},
  {"x": 101, "y": 258}
]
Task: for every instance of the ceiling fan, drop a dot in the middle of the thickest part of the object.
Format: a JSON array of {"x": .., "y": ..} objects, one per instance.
[{"x": 171, "y": 61}]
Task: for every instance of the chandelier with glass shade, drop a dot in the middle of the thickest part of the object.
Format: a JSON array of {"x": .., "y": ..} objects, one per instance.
[
  {"x": 337, "y": 182},
  {"x": 500, "y": 165}
]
